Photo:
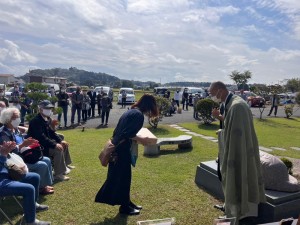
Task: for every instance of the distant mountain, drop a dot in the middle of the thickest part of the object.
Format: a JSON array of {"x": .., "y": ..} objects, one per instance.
[{"x": 82, "y": 77}]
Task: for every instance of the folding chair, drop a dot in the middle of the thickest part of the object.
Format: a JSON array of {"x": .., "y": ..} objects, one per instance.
[{"x": 5, "y": 215}]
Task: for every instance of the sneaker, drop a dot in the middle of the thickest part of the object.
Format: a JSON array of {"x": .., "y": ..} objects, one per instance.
[
  {"x": 40, "y": 208},
  {"x": 71, "y": 167},
  {"x": 61, "y": 178},
  {"x": 67, "y": 171},
  {"x": 39, "y": 222}
]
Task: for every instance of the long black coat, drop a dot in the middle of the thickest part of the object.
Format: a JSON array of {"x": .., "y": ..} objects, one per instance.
[{"x": 116, "y": 188}]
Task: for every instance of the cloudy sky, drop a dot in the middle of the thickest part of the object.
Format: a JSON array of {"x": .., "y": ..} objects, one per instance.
[{"x": 157, "y": 40}]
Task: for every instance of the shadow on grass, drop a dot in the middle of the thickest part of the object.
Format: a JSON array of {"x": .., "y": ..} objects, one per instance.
[
  {"x": 211, "y": 126},
  {"x": 176, "y": 151},
  {"x": 118, "y": 219},
  {"x": 159, "y": 131}
]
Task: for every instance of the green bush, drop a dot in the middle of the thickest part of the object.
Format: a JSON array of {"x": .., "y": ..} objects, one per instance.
[
  {"x": 163, "y": 107},
  {"x": 289, "y": 165},
  {"x": 288, "y": 109},
  {"x": 204, "y": 108},
  {"x": 297, "y": 99}
]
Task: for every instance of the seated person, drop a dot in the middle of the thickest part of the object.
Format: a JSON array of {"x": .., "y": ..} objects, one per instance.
[
  {"x": 10, "y": 118},
  {"x": 54, "y": 147},
  {"x": 27, "y": 188}
]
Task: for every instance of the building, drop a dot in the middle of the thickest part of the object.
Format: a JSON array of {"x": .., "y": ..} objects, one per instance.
[
  {"x": 61, "y": 81},
  {"x": 10, "y": 80}
]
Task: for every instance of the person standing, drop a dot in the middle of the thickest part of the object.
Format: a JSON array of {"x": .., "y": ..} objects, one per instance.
[
  {"x": 196, "y": 99},
  {"x": 99, "y": 97},
  {"x": 3, "y": 98},
  {"x": 275, "y": 103},
  {"x": 15, "y": 97},
  {"x": 106, "y": 106},
  {"x": 124, "y": 95},
  {"x": 185, "y": 99},
  {"x": 25, "y": 103},
  {"x": 116, "y": 188},
  {"x": 177, "y": 97},
  {"x": 63, "y": 102},
  {"x": 86, "y": 105},
  {"x": 77, "y": 99},
  {"x": 93, "y": 96},
  {"x": 240, "y": 168}
]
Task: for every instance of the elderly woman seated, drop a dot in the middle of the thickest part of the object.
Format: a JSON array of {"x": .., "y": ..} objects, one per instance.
[
  {"x": 27, "y": 187},
  {"x": 10, "y": 118}
]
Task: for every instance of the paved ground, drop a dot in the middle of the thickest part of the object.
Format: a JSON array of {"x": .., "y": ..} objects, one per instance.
[{"x": 186, "y": 116}]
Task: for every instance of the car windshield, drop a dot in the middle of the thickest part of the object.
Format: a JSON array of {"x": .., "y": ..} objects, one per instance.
[
  {"x": 195, "y": 90},
  {"x": 71, "y": 89},
  {"x": 127, "y": 91},
  {"x": 105, "y": 89}
]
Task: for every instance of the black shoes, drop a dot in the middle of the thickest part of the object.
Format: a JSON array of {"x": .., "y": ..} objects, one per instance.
[
  {"x": 220, "y": 207},
  {"x": 128, "y": 210},
  {"x": 132, "y": 205}
]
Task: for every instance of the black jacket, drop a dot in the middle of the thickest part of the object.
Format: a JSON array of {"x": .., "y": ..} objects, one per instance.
[{"x": 40, "y": 130}]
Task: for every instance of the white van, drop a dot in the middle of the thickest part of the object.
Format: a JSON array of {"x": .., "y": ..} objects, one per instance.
[
  {"x": 107, "y": 90},
  {"x": 56, "y": 87},
  {"x": 130, "y": 95}
]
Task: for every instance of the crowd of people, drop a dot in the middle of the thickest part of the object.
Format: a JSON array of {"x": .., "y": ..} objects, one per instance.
[
  {"x": 238, "y": 160},
  {"x": 39, "y": 175}
]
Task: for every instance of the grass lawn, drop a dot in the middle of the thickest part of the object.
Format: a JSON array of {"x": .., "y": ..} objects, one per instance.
[
  {"x": 271, "y": 132},
  {"x": 163, "y": 185}
]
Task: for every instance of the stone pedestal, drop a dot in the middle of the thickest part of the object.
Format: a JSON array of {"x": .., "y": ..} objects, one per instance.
[{"x": 279, "y": 205}]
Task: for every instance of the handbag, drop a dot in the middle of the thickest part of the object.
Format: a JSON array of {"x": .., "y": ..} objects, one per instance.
[
  {"x": 16, "y": 167},
  {"x": 106, "y": 153},
  {"x": 32, "y": 153}
]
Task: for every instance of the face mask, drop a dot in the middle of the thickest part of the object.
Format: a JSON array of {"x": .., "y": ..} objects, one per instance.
[
  {"x": 63, "y": 91},
  {"x": 1, "y": 94},
  {"x": 215, "y": 98},
  {"x": 15, "y": 123},
  {"x": 47, "y": 112},
  {"x": 1, "y": 108}
]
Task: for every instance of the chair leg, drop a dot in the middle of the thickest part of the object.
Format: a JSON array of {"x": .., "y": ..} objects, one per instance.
[
  {"x": 18, "y": 202},
  {"x": 3, "y": 213}
]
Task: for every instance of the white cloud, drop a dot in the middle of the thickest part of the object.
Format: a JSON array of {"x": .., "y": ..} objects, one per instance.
[{"x": 152, "y": 40}]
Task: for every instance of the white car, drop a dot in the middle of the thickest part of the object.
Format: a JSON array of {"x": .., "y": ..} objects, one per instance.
[
  {"x": 107, "y": 90},
  {"x": 130, "y": 95}
]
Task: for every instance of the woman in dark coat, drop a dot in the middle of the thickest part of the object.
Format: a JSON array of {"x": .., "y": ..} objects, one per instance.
[{"x": 116, "y": 188}]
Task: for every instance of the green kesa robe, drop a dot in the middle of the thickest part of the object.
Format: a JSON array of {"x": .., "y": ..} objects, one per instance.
[{"x": 240, "y": 167}]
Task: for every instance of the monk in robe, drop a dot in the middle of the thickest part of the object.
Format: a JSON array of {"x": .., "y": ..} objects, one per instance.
[{"x": 240, "y": 167}]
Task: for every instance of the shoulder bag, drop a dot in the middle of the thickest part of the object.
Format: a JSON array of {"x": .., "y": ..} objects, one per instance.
[
  {"x": 32, "y": 153},
  {"x": 16, "y": 167},
  {"x": 107, "y": 153}
]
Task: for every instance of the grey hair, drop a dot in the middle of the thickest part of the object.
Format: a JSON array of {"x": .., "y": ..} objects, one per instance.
[{"x": 6, "y": 114}]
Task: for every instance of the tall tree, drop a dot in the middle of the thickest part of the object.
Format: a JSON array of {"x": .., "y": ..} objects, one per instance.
[
  {"x": 241, "y": 79},
  {"x": 293, "y": 85}
]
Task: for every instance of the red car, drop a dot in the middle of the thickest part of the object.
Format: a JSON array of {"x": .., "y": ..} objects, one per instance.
[{"x": 254, "y": 99}]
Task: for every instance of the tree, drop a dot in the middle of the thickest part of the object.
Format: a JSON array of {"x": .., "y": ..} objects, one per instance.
[
  {"x": 241, "y": 79},
  {"x": 293, "y": 85}
]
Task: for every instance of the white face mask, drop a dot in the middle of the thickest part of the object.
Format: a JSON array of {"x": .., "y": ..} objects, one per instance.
[
  {"x": 47, "y": 112},
  {"x": 15, "y": 123},
  {"x": 63, "y": 90},
  {"x": 215, "y": 98}
]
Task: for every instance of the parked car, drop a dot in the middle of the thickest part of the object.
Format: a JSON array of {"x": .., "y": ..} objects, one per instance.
[
  {"x": 160, "y": 91},
  {"x": 130, "y": 95},
  {"x": 254, "y": 99},
  {"x": 70, "y": 90},
  {"x": 193, "y": 91},
  {"x": 107, "y": 90}
]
